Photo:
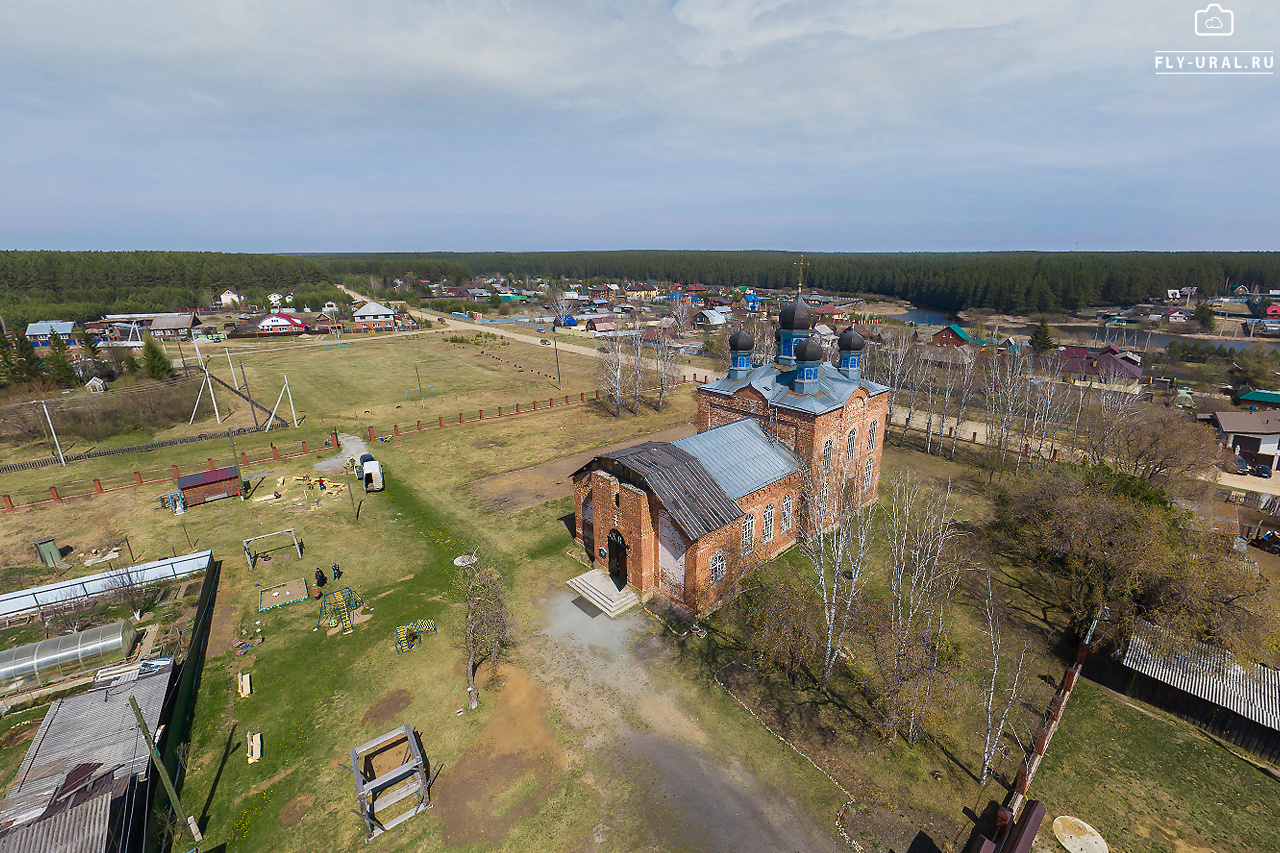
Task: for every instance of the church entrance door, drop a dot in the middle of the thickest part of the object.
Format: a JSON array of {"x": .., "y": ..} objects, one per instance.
[{"x": 618, "y": 558}]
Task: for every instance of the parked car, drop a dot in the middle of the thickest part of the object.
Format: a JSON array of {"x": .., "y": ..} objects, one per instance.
[
  {"x": 545, "y": 342},
  {"x": 1238, "y": 466},
  {"x": 372, "y": 471},
  {"x": 1262, "y": 471}
]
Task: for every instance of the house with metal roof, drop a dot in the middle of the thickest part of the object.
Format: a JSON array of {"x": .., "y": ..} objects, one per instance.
[
  {"x": 1256, "y": 398},
  {"x": 1207, "y": 686},
  {"x": 374, "y": 317},
  {"x": 173, "y": 326},
  {"x": 1255, "y": 436},
  {"x": 953, "y": 336},
  {"x": 41, "y": 333},
  {"x": 683, "y": 520}
]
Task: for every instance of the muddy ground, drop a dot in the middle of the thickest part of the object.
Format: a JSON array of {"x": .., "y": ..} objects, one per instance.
[{"x": 517, "y": 490}]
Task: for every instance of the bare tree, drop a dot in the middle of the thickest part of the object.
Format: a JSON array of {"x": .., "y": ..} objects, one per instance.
[
  {"x": 835, "y": 533},
  {"x": 991, "y": 693},
  {"x": 682, "y": 313},
  {"x": 667, "y": 373},
  {"x": 922, "y": 577},
  {"x": 611, "y": 373},
  {"x": 561, "y": 306},
  {"x": 1005, "y": 392},
  {"x": 487, "y": 630},
  {"x": 635, "y": 367},
  {"x": 1113, "y": 402},
  {"x": 785, "y": 625},
  {"x": 887, "y": 364},
  {"x": 966, "y": 373},
  {"x": 127, "y": 586},
  {"x": 766, "y": 348}
]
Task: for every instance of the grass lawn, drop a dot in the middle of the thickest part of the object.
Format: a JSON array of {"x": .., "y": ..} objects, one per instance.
[{"x": 1149, "y": 782}]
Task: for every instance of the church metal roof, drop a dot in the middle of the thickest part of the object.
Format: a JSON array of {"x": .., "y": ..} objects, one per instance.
[
  {"x": 774, "y": 382},
  {"x": 740, "y": 457},
  {"x": 680, "y": 482}
]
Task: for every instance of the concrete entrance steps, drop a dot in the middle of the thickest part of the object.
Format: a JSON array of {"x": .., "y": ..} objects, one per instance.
[{"x": 599, "y": 588}]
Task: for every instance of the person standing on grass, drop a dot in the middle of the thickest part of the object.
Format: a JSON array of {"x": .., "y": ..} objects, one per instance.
[{"x": 321, "y": 580}]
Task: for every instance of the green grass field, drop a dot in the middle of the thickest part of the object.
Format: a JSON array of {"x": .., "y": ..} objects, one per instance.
[{"x": 534, "y": 768}]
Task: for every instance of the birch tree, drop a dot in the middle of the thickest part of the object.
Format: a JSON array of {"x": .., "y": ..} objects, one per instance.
[
  {"x": 835, "y": 534},
  {"x": 908, "y": 646},
  {"x": 635, "y": 368},
  {"x": 682, "y": 313},
  {"x": 561, "y": 306},
  {"x": 611, "y": 373},
  {"x": 887, "y": 363},
  {"x": 965, "y": 376},
  {"x": 666, "y": 368},
  {"x": 487, "y": 629},
  {"x": 996, "y": 717}
]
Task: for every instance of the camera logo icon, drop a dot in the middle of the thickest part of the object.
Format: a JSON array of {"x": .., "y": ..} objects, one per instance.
[{"x": 1213, "y": 20}]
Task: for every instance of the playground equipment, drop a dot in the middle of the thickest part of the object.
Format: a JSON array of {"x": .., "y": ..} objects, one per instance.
[
  {"x": 174, "y": 501},
  {"x": 378, "y": 787},
  {"x": 337, "y": 606},
  {"x": 250, "y": 556},
  {"x": 282, "y": 594},
  {"x": 409, "y": 637}
]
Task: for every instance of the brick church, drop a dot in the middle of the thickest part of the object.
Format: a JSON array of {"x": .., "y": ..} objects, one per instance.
[{"x": 671, "y": 518}]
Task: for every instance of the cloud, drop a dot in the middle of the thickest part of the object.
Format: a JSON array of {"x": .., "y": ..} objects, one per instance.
[
  {"x": 1213, "y": 24},
  {"x": 515, "y": 117}
]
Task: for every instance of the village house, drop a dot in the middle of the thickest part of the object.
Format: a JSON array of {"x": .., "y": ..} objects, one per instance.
[
  {"x": 374, "y": 317},
  {"x": 709, "y": 319},
  {"x": 281, "y": 324},
  {"x": 173, "y": 327},
  {"x": 676, "y": 519},
  {"x": 1257, "y": 399},
  {"x": 1254, "y": 436},
  {"x": 953, "y": 336},
  {"x": 41, "y": 333},
  {"x": 231, "y": 298}
]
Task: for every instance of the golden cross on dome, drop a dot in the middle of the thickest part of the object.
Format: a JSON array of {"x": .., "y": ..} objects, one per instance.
[{"x": 800, "y": 265}]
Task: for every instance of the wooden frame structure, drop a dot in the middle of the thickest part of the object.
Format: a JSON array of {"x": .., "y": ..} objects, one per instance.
[
  {"x": 250, "y": 557},
  {"x": 411, "y": 779}
]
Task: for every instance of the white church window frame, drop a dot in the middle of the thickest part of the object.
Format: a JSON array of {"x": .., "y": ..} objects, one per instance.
[
  {"x": 748, "y": 533},
  {"x": 786, "y": 514},
  {"x": 871, "y": 436},
  {"x": 827, "y": 452},
  {"x": 851, "y": 449},
  {"x": 766, "y": 524},
  {"x": 866, "y": 477},
  {"x": 718, "y": 560}
]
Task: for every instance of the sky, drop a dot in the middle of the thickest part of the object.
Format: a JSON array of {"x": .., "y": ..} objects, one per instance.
[{"x": 404, "y": 125}]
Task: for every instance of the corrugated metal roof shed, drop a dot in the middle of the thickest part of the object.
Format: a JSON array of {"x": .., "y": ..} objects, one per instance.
[
  {"x": 44, "y": 327},
  {"x": 1208, "y": 672},
  {"x": 80, "y": 829},
  {"x": 173, "y": 322},
  {"x": 95, "y": 727},
  {"x": 680, "y": 483},
  {"x": 202, "y": 477},
  {"x": 740, "y": 457}
]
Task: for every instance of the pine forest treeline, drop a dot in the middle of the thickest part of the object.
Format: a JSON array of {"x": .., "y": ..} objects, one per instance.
[
  {"x": 1020, "y": 282},
  {"x": 83, "y": 285},
  {"x": 80, "y": 286}
]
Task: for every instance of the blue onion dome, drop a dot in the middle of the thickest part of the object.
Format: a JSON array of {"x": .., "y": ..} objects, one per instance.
[
  {"x": 809, "y": 350},
  {"x": 797, "y": 316},
  {"x": 851, "y": 341},
  {"x": 740, "y": 341}
]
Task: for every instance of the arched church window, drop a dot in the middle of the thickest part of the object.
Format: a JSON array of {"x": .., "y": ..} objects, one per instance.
[
  {"x": 866, "y": 478},
  {"x": 851, "y": 449},
  {"x": 717, "y": 566},
  {"x": 826, "y": 458},
  {"x": 871, "y": 436},
  {"x": 748, "y": 534},
  {"x": 786, "y": 514},
  {"x": 766, "y": 528}
]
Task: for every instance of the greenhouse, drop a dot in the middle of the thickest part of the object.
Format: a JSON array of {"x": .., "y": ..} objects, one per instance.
[{"x": 30, "y": 666}]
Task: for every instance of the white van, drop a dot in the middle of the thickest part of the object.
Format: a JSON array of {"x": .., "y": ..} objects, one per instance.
[{"x": 372, "y": 469}]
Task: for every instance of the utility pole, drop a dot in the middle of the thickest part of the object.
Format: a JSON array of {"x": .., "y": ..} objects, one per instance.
[
  {"x": 245, "y": 382},
  {"x": 56, "y": 443},
  {"x": 188, "y": 820},
  {"x": 556, "y": 347},
  {"x": 347, "y": 470}
]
